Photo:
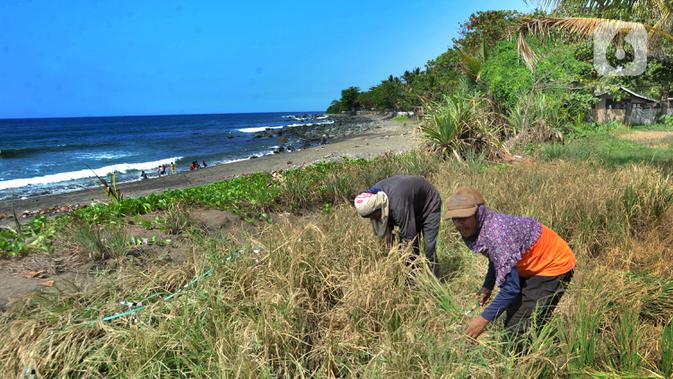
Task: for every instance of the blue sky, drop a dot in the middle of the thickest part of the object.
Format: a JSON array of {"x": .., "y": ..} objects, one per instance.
[{"x": 99, "y": 58}]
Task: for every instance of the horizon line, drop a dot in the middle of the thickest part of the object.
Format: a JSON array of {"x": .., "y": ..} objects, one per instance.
[{"x": 152, "y": 115}]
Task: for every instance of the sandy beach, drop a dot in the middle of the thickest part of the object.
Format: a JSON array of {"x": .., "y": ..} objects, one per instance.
[{"x": 387, "y": 135}]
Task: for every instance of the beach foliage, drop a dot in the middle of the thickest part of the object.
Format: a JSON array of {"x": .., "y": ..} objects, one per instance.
[{"x": 33, "y": 236}]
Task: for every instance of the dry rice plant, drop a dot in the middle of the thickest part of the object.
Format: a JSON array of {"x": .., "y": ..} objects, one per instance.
[{"x": 324, "y": 298}]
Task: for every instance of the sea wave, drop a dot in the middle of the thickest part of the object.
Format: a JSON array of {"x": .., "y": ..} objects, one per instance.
[
  {"x": 263, "y": 128},
  {"x": 259, "y": 129},
  {"x": 23, "y": 152},
  {"x": 83, "y": 174}
]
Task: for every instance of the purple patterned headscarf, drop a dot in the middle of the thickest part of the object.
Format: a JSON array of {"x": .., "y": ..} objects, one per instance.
[{"x": 503, "y": 239}]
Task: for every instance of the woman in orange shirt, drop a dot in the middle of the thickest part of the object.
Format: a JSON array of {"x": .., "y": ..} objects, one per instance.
[{"x": 530, "y": 263}]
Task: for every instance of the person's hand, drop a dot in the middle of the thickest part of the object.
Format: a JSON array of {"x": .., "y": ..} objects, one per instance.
[
  {"x": 476, "y": 326},
  {"x": 483, "y": 295}
]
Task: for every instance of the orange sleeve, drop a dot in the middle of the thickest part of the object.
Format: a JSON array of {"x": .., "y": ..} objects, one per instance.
[{"x": 549, "y": 256}]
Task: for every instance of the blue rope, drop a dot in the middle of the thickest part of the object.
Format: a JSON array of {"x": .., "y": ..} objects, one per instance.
[
  {"x": 231, "y": 257},
  {"x": 139, "y": 308}
]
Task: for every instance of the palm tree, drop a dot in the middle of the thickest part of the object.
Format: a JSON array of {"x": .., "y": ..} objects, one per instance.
[
  {"x": 572, "y": 27},
  {"x": 471, "y": 64},
  {"x": 657, "y": 13},
  {"x": 656, "y": 16}
]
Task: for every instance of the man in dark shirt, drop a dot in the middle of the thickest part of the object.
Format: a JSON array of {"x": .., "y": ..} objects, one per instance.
[{"x": 409, "y": 202}]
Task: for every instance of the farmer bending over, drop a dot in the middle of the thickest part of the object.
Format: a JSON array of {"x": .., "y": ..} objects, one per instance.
[
  {"x": 530, "y": 263},
  {"x": 409, "y": 202}
]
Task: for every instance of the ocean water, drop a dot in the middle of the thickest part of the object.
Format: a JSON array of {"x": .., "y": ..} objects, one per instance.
[{"x": 44, "y": 156}]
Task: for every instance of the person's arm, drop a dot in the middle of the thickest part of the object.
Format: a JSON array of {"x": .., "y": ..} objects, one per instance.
[
  {"x": 406, "y": 220},
  {"x": 487, "y": 288},
  {"x": 489, "y": 281},
  {"x": 509, "y": 290},
  {"x": 389, "y": 238}
]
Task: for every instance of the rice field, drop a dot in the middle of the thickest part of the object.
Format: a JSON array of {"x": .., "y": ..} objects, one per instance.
[{"x": 316, "y": 295}]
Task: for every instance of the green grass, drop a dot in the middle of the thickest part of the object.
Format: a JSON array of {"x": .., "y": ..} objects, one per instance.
[
  {"x": 607, "y": 148},
  {"x": 666, "y": 345},
  {"x": 251, "y": 197},
  {"x": 34, "y": 235},
  {"x": 402, "y": 118},
  {"x": 655, "y": 127}
]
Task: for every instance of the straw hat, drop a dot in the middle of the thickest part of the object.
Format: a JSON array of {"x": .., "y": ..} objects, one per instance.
[{"x": 463, "y": 203}]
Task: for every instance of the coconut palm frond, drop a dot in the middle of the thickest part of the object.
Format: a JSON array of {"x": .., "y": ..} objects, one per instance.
[
  {"x": 664, "y": 21},
  {"x": 586, "y": 5},
  {"x": 471, "y": 65},
  {"x": 572, "y": 27},
  {"x": 525, "y": 52}
]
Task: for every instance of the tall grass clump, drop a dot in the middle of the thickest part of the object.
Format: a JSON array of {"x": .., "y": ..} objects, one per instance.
[
  {"x": 627, "y": 337},
  {"x": 463, "y": 124},
  {"x": 177, "y": 218},
  {"x": 100, "y": 242},
  {"x": 321, "y": 299},
  {"x": 599, "y": 211},
  {"x": 581, "y": 335},
  {"x": 666, "y": 348},
  {"x": 536, "y": 117}
]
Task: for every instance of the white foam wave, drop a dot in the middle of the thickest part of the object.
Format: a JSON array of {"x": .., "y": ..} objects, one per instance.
[
  {"x": 263, "y": 128},
  {"x": 259, "y": 129},
  {"x": 258, "y": 155},
  {"x": 83, "y": 174},
  {"x": 311, "y": 124},
  {"x": 97, "y": 156}
]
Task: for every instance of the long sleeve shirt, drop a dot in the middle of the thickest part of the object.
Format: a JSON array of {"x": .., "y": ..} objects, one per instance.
[
  {"x": 509, "y": 290},
  {"x": 411, "y": 199}
]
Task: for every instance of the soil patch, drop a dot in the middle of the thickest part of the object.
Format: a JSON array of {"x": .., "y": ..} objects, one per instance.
[{"x": 213, "y": 219}]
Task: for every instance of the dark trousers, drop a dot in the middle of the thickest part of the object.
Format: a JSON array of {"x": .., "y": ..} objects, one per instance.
[
  {"x": 430, "y": 232},
  {"x": 539, "y": 297}
]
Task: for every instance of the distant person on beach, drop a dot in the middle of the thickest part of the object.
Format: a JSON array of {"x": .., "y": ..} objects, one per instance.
[
  {"x": 193, "y": 166},
  {"x": 409, "y": 202},
  {"x": 143, "y": 175},
  {"x": 204, "y": 164},
  {"x": 172, "y": 168},
  {"x": 530, "y": 263},
  {"x": 163, "y": 169}
]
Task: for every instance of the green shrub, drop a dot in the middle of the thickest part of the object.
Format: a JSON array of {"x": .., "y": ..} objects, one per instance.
[
  {"x": 666, "y": 121},
  {"x": 462, "y": 124}
]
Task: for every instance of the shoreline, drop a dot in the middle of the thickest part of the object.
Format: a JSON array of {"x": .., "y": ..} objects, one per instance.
[{"x": 386, "y": 136}]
